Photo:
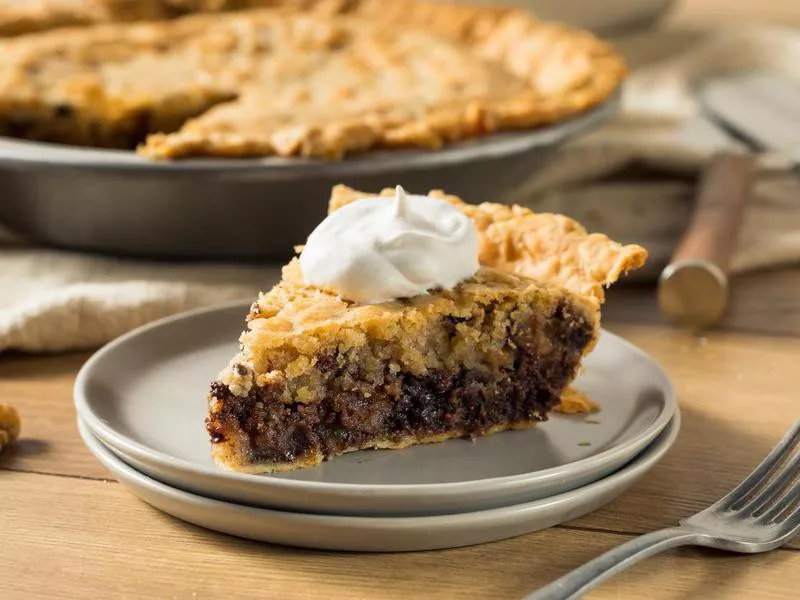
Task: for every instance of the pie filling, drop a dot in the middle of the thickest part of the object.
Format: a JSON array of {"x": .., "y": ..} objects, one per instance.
[
  {"x": 519, "y": 389},
  {"x": 77, "y": 126}
]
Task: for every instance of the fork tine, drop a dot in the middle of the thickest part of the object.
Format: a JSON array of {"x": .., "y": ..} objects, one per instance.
[
  {"x": 790, "y": 502},
  {"x": 793, "y": 520},
  {"x": 745, "y": 490},
  {"x": 773, "y": 491}
]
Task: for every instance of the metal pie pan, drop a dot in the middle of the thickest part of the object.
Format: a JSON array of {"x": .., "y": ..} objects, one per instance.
[
  {"x": 144, "y": 396},
  {"x": 116, "y": 202}
]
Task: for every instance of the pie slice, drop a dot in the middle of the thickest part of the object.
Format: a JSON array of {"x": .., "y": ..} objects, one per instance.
[
  {"x": 319, "y": 376},
  {"x": 315, "y": 78}
]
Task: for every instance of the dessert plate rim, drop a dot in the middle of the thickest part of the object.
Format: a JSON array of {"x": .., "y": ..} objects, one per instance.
[
  {"x": 245, "y": 487},
  {"x": 382, "y": 533}
]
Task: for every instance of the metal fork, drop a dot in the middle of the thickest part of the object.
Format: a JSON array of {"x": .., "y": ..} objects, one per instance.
[{"x": 762, "y": 513}]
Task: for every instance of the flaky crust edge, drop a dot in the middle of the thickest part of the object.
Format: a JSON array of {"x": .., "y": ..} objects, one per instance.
[{"x": 544, "y": 246}]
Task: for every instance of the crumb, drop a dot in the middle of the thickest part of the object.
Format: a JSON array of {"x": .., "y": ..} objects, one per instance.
[
  {"x": 592, "y": 421},
  {"x": 702, "y": 341},
  {"x": 585, "y": 443},
  {"x": 9, "y": 425},
  {"x": 573, "y": 402}
]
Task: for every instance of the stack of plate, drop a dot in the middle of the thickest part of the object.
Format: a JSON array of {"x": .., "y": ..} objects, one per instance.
[{"x": 141, "y": 406}]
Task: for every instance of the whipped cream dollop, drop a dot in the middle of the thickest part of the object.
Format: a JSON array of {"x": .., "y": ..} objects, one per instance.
[{"x": 377, "y": 250}]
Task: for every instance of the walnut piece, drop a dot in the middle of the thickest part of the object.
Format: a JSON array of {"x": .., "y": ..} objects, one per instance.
[{"x": 9, "y": 425}]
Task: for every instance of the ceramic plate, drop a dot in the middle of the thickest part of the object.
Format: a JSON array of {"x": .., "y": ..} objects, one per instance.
[
  {"x": 381, "y": 534},
  {"x": 144, "y": 396}
]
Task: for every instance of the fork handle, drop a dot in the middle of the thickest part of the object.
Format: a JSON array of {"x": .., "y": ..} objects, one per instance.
[{"x": 585, "y": 578}]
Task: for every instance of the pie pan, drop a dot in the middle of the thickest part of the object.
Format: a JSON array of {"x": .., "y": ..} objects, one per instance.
[{"x": 115, "y": 202}]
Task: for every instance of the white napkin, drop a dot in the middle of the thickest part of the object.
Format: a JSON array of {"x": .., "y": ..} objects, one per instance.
[{"x": 53, "y": 300}]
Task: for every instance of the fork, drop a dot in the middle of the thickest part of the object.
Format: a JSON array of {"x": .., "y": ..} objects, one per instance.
[{"x": 762, "y": 513}]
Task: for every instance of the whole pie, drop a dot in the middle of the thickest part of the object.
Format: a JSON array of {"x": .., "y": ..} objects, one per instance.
[
  {"x": 315, "y": 78},
  {"x": 318, "y": 375}
]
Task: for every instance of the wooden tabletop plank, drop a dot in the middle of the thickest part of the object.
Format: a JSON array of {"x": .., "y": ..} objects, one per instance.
[
  {"x": 737, "y": 399},
  {"x": 765, "y": 303},
  {"x": 40, "y": 387},
  {"x": 98, "y": 539}
]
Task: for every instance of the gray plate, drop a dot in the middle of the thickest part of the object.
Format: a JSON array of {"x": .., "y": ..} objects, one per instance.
[
  {"x": 388, "y": 534},
  {"x": 144, "y": 396},
  {"x": 115, "y": 202}
]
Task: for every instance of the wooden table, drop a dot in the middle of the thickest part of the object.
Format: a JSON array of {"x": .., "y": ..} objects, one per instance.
[{"x": 67, "y": 530}]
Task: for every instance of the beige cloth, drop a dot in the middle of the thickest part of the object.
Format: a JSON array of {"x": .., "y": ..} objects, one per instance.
[{"x": 52, "y": 300}]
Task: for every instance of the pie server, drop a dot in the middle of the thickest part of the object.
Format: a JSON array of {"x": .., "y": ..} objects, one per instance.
[{"x": 763, "y": 112}]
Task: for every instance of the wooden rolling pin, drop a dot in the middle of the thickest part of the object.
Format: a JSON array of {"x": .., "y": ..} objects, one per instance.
[{"x": 693, "y": 288}]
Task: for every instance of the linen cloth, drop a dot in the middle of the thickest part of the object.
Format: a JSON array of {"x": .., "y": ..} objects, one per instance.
[{"x": 55, "y": 300}]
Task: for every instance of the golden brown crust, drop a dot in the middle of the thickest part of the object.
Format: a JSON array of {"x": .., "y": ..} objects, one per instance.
[
  {"x": 546, "y": 247},
  {"x": 353, "y": 76},
  {"x": 294, "y": 321}
]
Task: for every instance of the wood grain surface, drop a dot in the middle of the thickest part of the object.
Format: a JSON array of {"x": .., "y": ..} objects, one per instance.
[
  {"x": 61, "y": 511},
  {"x": 68, "y": 530}
]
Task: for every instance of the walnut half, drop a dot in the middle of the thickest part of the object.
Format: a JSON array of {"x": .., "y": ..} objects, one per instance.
[{"x": 9, "y": 425}]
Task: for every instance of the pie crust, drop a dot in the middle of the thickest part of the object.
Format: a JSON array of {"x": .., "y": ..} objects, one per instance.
[
  {"x": 318, "y": 78},
  {"x": 544, "y": 246}
]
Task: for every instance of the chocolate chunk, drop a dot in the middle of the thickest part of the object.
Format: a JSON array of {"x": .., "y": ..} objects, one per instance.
[{"x": 64, "y": 111}]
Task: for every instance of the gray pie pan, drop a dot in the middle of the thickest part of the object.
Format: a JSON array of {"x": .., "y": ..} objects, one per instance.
[
  {"x": 144, "y": 396},
  {"x": 382, "y": 534},
  {"x": 116, "y": 202}
]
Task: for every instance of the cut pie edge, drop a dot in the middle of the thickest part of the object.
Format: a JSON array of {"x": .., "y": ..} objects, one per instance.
[{"x": 572, "y": 403}]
